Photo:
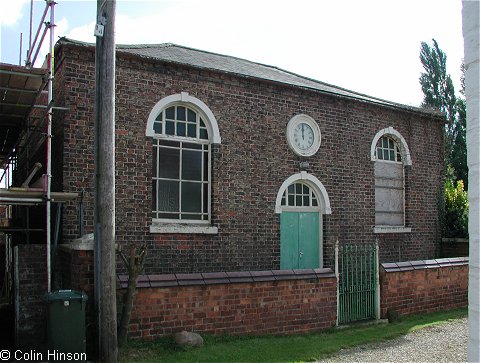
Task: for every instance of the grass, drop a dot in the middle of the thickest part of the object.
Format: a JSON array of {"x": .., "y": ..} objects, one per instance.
[{"x": 293, "y": 348}]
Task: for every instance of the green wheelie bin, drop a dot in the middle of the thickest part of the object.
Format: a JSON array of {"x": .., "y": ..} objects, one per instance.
[{"x": 66, "y": 324}]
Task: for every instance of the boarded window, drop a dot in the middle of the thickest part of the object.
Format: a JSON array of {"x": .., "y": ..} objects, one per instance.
[{"x": 389, "y": 194}]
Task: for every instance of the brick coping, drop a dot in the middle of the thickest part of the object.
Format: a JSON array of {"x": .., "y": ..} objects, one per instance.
[
  {"x": 215, "y": 278},
  {"x": 424, "y": 264}
]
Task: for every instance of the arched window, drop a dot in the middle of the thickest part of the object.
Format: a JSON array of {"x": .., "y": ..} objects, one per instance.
[
  {"x": 387, "y": 150},
  {"x": 390, "y": 153},
  {"x": 299, "y": 195},
  {"x": 182, "y": 135}
]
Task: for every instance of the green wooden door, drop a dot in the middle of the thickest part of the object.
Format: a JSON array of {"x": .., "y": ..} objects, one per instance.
[{"x": 299, "y": 240}]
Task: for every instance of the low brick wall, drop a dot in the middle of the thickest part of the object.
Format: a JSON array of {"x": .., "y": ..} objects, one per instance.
[
  {"x": 424, "y": 286},
  {"x": 454, "y": 247},
  {"x": 263, "y": 302}
]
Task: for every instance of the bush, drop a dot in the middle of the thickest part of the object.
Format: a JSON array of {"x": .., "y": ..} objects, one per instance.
[{"x": 456, "y": 210}]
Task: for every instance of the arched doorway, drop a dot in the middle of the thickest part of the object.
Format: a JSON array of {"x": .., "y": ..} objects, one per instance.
[{"x": 301, "y": 202}]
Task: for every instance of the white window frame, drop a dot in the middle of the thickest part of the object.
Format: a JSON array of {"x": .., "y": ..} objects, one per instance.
[
  {"x": 180, "y": 180},
  {"x": 160, "y": 225},
  {"x": 406, "y": 160}
]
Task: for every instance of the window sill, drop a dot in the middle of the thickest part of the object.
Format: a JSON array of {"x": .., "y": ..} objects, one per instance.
[
  {"x": 183, "y": 229},
  {"x": 391, "y": 229}
]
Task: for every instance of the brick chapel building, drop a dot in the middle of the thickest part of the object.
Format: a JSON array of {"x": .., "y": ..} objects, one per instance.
[{"x": 223, "y": 164}]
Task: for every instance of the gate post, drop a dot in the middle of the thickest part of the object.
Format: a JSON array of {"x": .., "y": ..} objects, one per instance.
[
  {"x": 377, "y": 278},
  {"x": 337, "y": 275}
]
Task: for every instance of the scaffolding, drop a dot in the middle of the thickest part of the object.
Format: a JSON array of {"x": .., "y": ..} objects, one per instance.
[{"x": 23, "y": 89}]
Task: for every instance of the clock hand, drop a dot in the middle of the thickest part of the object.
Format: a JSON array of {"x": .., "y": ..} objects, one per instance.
[{"x": 303, "y": 131}]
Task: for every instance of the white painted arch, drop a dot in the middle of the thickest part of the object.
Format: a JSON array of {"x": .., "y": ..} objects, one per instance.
[
  {"x": 313, "y": 183},
  {"x": 184, "y": 97},
  {"x": 394, "y": 134}
]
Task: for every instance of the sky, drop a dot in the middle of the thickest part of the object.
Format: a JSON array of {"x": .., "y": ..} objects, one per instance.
[{"x": 368, "y": 46}]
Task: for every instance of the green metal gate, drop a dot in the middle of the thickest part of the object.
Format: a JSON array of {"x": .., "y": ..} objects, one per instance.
[{"x": 356, "y": 267}]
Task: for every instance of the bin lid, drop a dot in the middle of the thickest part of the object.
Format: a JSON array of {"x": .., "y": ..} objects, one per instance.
[{"x": 64, "y": 295}]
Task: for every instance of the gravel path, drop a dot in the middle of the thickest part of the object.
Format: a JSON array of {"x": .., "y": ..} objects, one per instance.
[{"x": 439, "y": 343}]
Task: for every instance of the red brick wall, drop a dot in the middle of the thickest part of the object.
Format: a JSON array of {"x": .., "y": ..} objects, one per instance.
[
  {"x": 267, "y": 302},
  {"x": 76, "y": 269},
  {"x": 249, "y": 166},
  {"x": 30, "y": 288},
  {"x": 424, "y": 286},
  {"x": 454, "y": 247}
]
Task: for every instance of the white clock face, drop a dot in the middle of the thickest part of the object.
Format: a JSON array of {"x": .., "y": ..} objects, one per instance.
[{"x": 303, "y": 136}]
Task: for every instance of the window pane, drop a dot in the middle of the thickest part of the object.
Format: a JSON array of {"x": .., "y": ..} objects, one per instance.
[
  {"x": 380, "y": 154},
  {"x": 157, "y": 127},
  {"x": 192, "y": 116},
  {"x": 181, "y": 129},
  {"x": 291, "y": 200},
  {"x": 291, "y": 189},
  {"x": 283, "y": 200},
  {"x": 191, "y": 165},
  {"x": 205, "y": 166},
  {"x": 181, "y": 113},
  {"x": 189, "y": 145},
  {"x": 385, "y": 143},
  {"x": 202, "y": 124},
  {"x": 170, "y": 128},
  {"x": 192, "y": 130},
  {"x": 169, "y": 163},
  {"x": 154, "y": 162},
  {"x": 196, "y": 217},
  {"x": 298, "y": 188},
  {"x": 168, "y": 215},
  {"x": 203, "y": 134},
  {"x": 168, "y": 195},
  {"x": 191, "y": 197},
  {"x": 314, "y": 203},
  {"x": 305, "y": 189},
  {"x": 168, "y": 143},
  {"x": 205, "y": 198},
  {"x": 299, "y": 201},
  {"x": 159, "y": 117},
  {"x": 392, "y": 155},
  {"x": 306, "y": 201},
  {"x": 390, "y": 143},
  {"x": 154, "y": 195},
  {"x": 170, "y": 113}
]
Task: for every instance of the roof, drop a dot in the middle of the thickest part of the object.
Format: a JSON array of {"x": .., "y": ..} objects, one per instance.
[
  {"x": 172, "y": 53},
  {"x": 19, "y": 88}
]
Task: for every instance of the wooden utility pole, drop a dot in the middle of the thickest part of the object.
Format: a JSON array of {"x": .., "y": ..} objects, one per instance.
[{"x": 105, "y": 284}]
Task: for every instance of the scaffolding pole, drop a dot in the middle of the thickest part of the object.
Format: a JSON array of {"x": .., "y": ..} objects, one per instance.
[{"x": 51, "y": 58}]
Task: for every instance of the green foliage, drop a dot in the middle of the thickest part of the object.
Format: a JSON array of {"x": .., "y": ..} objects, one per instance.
[
  {"x": 456, "y": 210},
  {"x": 437, "y": 85},
  {"x": 290, "y": 348},
  {"x": 458, "y": 156},
  {"x": 439, "y": 94}
]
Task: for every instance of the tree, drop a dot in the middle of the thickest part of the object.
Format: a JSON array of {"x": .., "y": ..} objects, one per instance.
[
  {"x": 439, "y": 93},
  {"x": 437, "y": 85},
  {"x": 456, "y": 210},
  {"x": 134, "y": 265},
  {"x": 458, "y": 157}
]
